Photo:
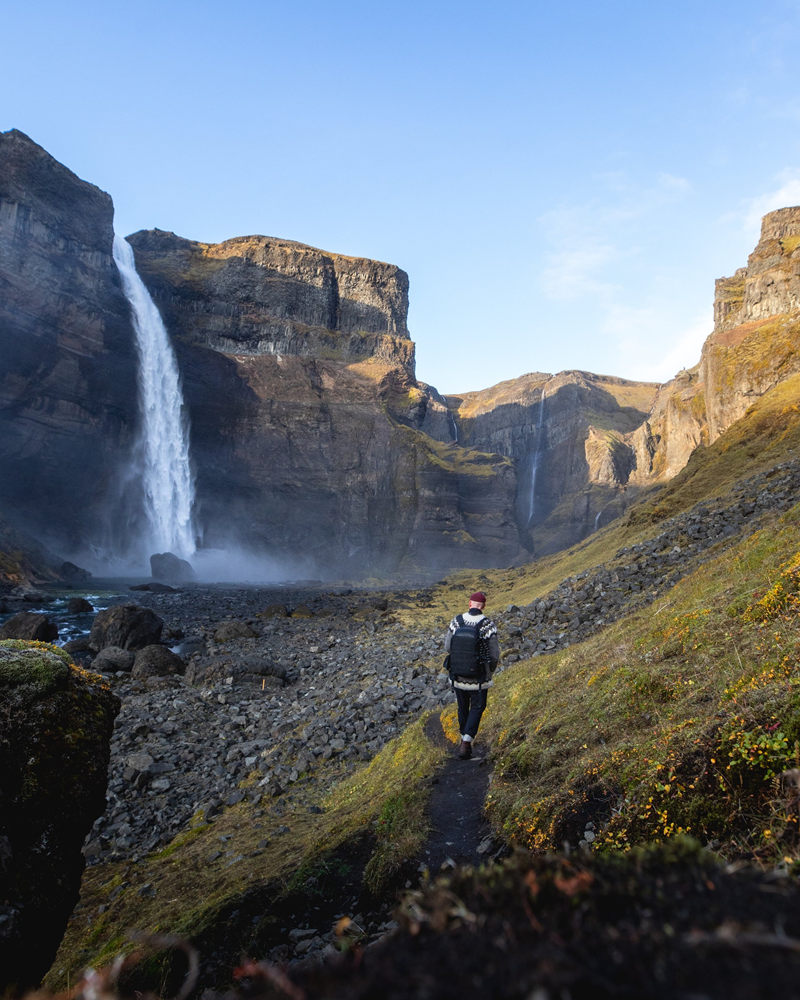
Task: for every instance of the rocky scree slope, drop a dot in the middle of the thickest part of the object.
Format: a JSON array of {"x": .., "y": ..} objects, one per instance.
[
  {"x": 296, "y": 705},
  {"x": 55, "y": 728}
]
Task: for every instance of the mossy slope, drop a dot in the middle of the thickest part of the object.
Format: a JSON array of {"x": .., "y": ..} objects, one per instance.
[{"x": 377, "y": 814}]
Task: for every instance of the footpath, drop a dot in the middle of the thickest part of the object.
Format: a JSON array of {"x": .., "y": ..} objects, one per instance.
[{"x": 460, "y": 835}]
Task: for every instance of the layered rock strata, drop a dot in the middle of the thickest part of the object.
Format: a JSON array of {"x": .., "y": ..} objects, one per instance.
[
  {"x": 312, "y": 440},
  {"x": 311, "y": 436},
  {"x": 596, "y": 441},
  {"x": 567, "y": 435},
  {"x": 67, "y": 364}
]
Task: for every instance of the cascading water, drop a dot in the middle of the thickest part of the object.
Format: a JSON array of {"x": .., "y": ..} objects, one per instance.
[
  {"x": 166, "y": 471},
  {"x": 455, "y": 426},
  {"x": 536, "y": 453}
]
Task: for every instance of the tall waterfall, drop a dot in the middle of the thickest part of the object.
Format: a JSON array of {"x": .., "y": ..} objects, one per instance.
[
  {"x": 536, "y": 453},
  {"x": 166, "y": 472}
]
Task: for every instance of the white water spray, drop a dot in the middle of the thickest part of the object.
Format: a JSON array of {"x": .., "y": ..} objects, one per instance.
[
  {"x": 536, "y": 453},
  {"x": 597, "y": 518},
  {"x": 166, "y": 473}
]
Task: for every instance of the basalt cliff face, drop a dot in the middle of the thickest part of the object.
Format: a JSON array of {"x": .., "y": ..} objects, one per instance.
[
  {"x": 67, "y": 363},
  {"x": 754, "y": 346},
  {"x": 311, "y": 437},
  {"x": 595, "y": 442},
  {"x": 566, "y": 435}
]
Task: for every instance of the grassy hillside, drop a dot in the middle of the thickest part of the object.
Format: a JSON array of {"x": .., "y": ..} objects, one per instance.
[{"x": 678, "y": 719}]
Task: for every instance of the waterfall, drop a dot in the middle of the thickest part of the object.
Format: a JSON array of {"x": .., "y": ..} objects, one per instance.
[
  {"x": 164, "y": 447},
  {"x": 455, "y": 426},
  {"x": 597, "y": 518},
  {"x": 536, "y": 453}
]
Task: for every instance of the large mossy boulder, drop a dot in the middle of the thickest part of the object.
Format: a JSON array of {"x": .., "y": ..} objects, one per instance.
[
  {"x": 56, "y": 722},
  {"x": 128, "y": 626}
]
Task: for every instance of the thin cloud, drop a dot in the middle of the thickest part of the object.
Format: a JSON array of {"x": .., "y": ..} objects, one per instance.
[
  {"x": 785, "y": 195},
  {"x": 573, "y": 273}
]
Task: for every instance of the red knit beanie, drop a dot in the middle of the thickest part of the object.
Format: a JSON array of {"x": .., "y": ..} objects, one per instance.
[{"x": 478, "y": 597}]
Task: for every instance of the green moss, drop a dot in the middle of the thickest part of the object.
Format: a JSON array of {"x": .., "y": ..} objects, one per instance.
[
  {"x": 674, "y": 720},
  {"x": 39, "y": 665},
  {"x": 193, "y": 894}
]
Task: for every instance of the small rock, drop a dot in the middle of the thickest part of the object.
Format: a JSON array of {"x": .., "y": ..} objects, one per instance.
[{"x": 233, "y": 630}]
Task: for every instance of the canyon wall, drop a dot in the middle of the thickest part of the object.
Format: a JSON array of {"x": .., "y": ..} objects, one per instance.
[
  {"x": 572, "y": 427},
  {"x": 598, "y": 441},
  {"x": 67, "y": 365},
  {"x": 311, "y": 437}
]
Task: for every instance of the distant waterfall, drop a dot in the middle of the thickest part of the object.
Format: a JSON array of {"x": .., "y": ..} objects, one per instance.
[
  {"x": 167, "y": 475},
  {"x": 536, "y": 453},
  {"x": 455, "y": 426}
]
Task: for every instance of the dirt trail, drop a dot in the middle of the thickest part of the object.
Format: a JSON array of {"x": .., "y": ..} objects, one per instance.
[{"x": 458, "y": 826}]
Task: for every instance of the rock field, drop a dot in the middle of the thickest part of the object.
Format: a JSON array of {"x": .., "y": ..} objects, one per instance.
[
  {"x": 302, "y": 697},
  {"x": 289, "y": 701}
]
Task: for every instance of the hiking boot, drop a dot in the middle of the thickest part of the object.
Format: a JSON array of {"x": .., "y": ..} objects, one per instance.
[{"x": 465, "y": 750}]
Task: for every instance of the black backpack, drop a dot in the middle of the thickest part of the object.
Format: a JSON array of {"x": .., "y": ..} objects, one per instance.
[{"x": 465, "y": 660}]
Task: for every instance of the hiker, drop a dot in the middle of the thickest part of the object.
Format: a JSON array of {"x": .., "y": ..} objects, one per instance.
[{"x": 473, "y": 651}]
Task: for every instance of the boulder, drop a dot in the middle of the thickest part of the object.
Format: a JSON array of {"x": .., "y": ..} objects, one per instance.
[
  {"x": 274, "y": 611},
  {"x": 157, "y": 661},
  {"x": 73, "y": 574},
  {"x": 79, "y": 606},
  {"x": 233, "y": 630},
  {"x": 154, "y": 588},
  {"x": 53, "y": 774},
  {"x": 30, "y": 594},
  {"x": 204, "y": 671},
  {"x": 302, "y": 611},
  {"x": 110, "y": 659},
  {"x": 128, "y": 626},
  {"x": 29, "y": 625},
  {"x": 167, "y": 566},
  {"x": 79, "y": 645}
]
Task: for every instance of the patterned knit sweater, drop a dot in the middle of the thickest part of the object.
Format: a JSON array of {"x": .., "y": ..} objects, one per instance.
[{"x": 489, "y": 641}]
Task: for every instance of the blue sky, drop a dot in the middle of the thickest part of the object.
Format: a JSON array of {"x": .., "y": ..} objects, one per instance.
[{"x": 563, "y": 183}]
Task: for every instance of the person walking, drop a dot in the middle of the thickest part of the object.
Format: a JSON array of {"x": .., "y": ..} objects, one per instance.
[{"x": 473, "y": 653}]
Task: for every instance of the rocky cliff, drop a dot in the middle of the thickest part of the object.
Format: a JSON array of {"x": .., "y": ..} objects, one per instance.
[
  {"x": 67, "y": 367},
  {"x": 595, "y": 441},
  {"x": 255, "y": 295},
  {"x": 312, "y": 440},
  {"x": 567, "y": 436},
  {"x": 754, "y": 346}
]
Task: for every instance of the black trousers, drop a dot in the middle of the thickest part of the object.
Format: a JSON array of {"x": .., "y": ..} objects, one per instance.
[{"x": 471, "y": 705}]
